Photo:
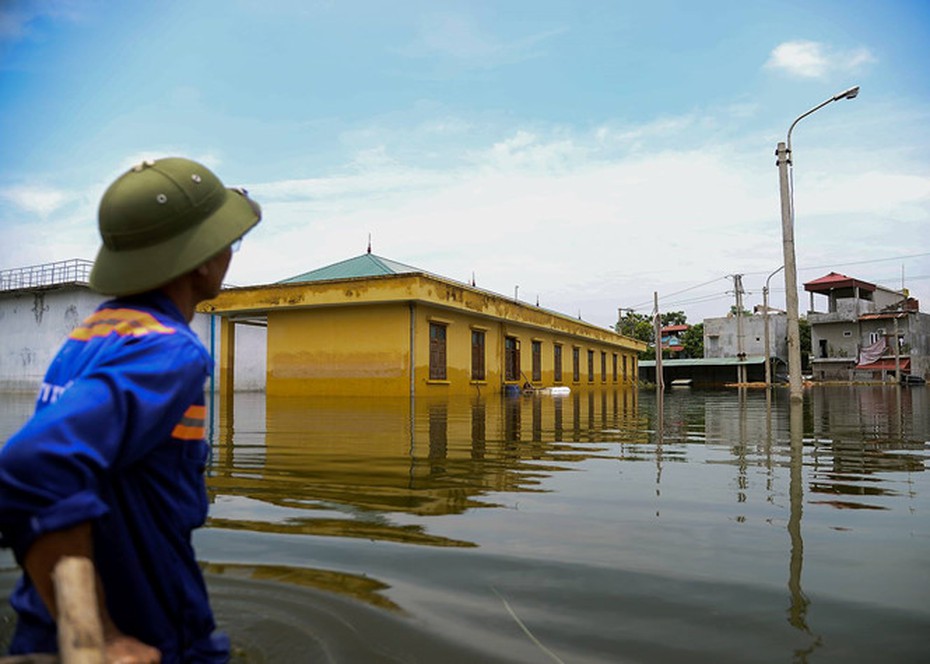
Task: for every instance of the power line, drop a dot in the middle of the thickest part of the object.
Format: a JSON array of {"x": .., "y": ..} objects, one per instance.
[
  {"x": 708, "y": 298},
  {"x": 684, "y": 290},
  {"x": 865, "y": 262}
]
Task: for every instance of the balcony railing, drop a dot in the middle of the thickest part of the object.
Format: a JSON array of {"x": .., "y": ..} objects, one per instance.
[{"x": 76, "y": 270}]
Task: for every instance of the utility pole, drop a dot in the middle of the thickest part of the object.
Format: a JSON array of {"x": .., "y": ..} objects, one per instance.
[
  {"x": 657, "y": 324},
  {"x": 620, "y": 311},
  {"x": 786, "y": 194},
  {"x": 740, "y": 348},
  {"x": 765, "y": 314}
]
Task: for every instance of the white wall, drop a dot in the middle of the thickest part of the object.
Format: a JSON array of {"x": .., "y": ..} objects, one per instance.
[
  {"x": 35, "y": 322},
  {"x": 251, "y": 350},
  {"x": 727, "y": 343}
]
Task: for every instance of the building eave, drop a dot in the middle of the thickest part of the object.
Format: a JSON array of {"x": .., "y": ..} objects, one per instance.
[{"x": 418, "y": 287}]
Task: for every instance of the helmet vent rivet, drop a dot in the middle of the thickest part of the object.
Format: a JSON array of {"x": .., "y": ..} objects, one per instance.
[
  {"x": 196, "y": 178},
  {"x": 161, "y": 198}
]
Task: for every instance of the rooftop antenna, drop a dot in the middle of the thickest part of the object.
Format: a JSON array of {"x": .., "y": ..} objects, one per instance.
[
  {"x": 473, "y": 279},
  {"x": 369, "y": 243}
]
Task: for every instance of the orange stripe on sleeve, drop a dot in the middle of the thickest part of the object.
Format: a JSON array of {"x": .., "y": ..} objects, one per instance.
[{"x": 185, "y": 432}]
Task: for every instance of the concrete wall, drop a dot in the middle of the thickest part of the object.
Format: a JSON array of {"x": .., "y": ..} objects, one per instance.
[
  {"x": 727, "y": 344},
  {"x": 251, "y": 350},
  {"x": 835, "y": 345},
  {"x": 365, "y": 349},
  {"x": 35, "y": 322},
  {"x": 843, "y": 303},
  {"x": 918, "y": 343}
]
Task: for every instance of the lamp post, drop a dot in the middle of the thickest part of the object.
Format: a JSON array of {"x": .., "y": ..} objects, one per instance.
[
  {"x": 786, "y": 190},
  {"x": 765, "y": 319}
]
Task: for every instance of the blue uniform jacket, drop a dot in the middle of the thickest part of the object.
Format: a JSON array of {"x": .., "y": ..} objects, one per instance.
[{"x": 117, "y": 439}]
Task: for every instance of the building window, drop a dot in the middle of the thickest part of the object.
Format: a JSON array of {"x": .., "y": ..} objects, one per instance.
[
  {"x": 576, "y": 364},
  {"x": 537, "y": 360},
  {"x": 511, "y": 359},
  {"x": 557, "y": 363},
  {"x": 477, "y": 355},
  {"x": 615, "y": 368},
  {"x": 437, "y": 351},
  {"x": 590, "y": 366},
  {"x": 624, "y": 368},
  {"x": 603, "y": 366}
]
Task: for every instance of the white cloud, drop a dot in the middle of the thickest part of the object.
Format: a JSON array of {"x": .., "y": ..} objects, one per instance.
[
  {"x": 580, "y": 219},
  {"x": 37, "y": 200},
  {"x": 810, "y": 59},
  {"x": 584, "y": 224}
]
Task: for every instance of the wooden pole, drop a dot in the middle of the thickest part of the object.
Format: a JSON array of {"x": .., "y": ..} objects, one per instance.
[
  {"x": 657, "y": 324},
  {"x": 80, "y": 634}
]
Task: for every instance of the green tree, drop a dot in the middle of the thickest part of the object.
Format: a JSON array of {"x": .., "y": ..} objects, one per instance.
[
  {"x": 693, "y": 341},
  {"x": 804, "y": 333},
  {"x": 640, "y": 326},
  {"x": 674, "y": 318},
  {"x": 733, "y": 310}
]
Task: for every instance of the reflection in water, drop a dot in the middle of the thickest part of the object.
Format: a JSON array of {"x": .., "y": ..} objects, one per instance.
[
  {"x": 357, "y": 586},
  {"x": 616, "y": 526},
  {"x": 344, "y": 466},
  {"x": 797, "y": 613}
]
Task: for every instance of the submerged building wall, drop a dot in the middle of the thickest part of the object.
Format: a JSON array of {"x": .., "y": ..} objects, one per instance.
[
  {"x": 418, "y": 334},
  {"x": 35, "y": 321}
]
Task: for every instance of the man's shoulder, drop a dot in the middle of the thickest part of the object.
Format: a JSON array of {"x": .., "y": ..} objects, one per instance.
[{"x": 135, "y": 328}]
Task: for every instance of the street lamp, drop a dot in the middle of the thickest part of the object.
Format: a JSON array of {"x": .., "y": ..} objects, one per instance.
[
  {"x": 765, "y": 318},
  {"x": 785, "y": 181}
]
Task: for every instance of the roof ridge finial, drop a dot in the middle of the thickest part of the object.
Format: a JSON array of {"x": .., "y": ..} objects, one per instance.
[{"x": 369, "y": 243}]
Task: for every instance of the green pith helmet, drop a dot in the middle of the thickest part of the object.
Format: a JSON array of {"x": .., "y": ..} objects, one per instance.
[{"x": 162, "y": 219}]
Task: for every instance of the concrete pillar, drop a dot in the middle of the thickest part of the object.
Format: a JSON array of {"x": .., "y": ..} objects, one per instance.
[{"x": 227, "y": 367}]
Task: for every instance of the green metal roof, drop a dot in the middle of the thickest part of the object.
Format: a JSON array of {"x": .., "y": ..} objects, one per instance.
[
  {"x": 366, "y": 265},
  {"x": 705, "y": 362}
]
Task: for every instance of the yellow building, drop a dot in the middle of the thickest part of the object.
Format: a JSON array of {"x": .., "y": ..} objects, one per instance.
[{"x": 372, "y": 326}]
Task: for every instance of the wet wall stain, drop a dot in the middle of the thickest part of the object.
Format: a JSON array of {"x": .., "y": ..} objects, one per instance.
[{"x": 39, "y": 307}]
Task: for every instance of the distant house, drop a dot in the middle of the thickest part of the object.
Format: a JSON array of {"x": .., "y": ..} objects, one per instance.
[
  {"x": 868, "y": 332},
  {"x": 734, "y": 351},
  {"x": 722, "y": 336},
  {"x": 671, "y": 336}
]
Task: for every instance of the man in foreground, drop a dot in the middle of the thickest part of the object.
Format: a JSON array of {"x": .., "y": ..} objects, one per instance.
[{"x": 110, "y": 467}]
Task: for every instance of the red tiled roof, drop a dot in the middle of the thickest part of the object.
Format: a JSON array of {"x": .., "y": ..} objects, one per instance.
[
  {"x": 883, "y": 315},
  {"x": 676, "y": 328},
  {"x": 836, "y": 280},
  {"x": 886, "y": 364}
]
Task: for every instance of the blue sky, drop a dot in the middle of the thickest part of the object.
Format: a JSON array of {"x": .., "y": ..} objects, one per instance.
[{"x": 584, "y": 153}]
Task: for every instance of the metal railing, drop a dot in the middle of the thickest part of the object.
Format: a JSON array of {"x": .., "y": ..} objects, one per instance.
[{"x": 76, "y": 270}]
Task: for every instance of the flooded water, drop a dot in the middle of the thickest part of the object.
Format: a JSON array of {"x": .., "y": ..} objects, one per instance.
[{"x": 714, "y": 526}]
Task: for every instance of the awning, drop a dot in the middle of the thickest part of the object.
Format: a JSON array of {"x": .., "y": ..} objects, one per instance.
[{"x": 885, "y": 364}]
